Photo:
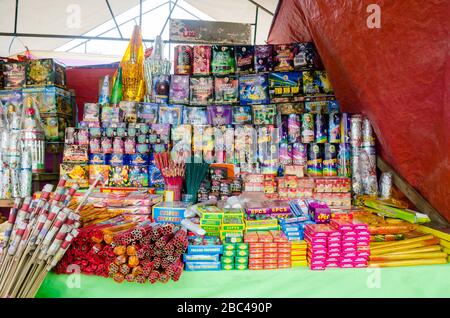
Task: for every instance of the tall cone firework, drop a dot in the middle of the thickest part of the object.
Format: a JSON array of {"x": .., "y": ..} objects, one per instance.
[
  {"x": 133, "y": 68},
  {"x": 116, "y": 94}
]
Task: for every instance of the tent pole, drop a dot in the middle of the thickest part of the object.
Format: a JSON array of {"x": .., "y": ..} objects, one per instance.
[
  {"x": 170, "y": 15},
  {"x": 15, "y": 16},
  {"x": 140, "y": 14},
  {"x": 260, "y": 6},
  {"x": 114, "y": 18},
  {"x": 256, "y": 26}
]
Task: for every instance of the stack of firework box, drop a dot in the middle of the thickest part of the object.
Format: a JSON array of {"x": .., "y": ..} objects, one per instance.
[
  {"x": 44, "y": 80},
  {"x": 298, "y": 253},
  {"x": 335, "y": 191},
  {"x": 268, "y": 250},
  {"x": 203, "y": 253},
  {"x": 211, "y": 219},
  {"x": 339, "y": 244},
  {"x": 232, "y": 224},
  {"x": 235, "y": 256}
]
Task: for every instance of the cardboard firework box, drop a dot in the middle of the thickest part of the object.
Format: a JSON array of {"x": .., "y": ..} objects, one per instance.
[{"x": 43, "y": 72}]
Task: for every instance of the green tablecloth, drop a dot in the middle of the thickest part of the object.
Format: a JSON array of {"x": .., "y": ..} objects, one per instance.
[{"x": 419, "y": 281}]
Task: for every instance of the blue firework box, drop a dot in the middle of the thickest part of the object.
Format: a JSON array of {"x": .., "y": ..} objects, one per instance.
[
  {"x": 201, "y": 258},
  {"x": 202, "y": 266},
  {"x": 207, "y": 245},
  {"x": 97, "y": 159},
  {"x": 169, "y": 212},
  {"x": 138, "y": 159},
  {"x": 253, "y": 89},
  {"x": 117, "y": 159}
]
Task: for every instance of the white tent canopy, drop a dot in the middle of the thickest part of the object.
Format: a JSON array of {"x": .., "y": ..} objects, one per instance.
[{"x": 93, "y": 18}]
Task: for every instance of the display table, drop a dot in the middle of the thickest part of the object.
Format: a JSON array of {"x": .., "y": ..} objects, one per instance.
[{"x": 420, "y": 281}]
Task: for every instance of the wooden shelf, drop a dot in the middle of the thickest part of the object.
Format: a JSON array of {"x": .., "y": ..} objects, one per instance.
[
  {"x": 6, "y": 203},
  {"x": 45, "y": 176}
]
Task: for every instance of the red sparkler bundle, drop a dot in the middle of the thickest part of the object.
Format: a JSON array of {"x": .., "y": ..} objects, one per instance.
[
  {"x": 172, "y": 172},
  {"x": 148, "y": 252}
]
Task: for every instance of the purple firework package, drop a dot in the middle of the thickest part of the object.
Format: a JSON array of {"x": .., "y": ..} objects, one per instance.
[
  {"x": 161, "y": 88},
  {"x": 263, "y": 58},
  {"x": 201, "y": 90},
  {"x": 245, "y": 59},
  {"x": 219, "y": 115},
  {"x": 179, "y": 89},
  {"x": 305, "y": 56}
]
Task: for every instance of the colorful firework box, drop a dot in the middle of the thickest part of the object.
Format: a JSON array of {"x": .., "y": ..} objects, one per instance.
[
  {"x": 263, "y": 58},
  {"x": 96, "y": 170},
  {"x": 202, "y": 60},
  {"x": 138, "y": 176},
  {"x": 226, "y": 90},
  {"x": 170, "y": 114},
  {"x": 206, "y": 245},
  {"x": 219, "y": 115},
  {"x": 43, "y": 72},
  {"x": 264, "y": 114},
  {"x": 161, "y": 86},
  {"x": 223, "y": 60},
  {"x": 195, "y": 116},
  {"x": 179, "y": 89},
  {"x": 242, "y": 115},
  {"x": 201, "y": 90},
  {"x": 283, "y": 58},
  {"x": 245, "y": 59},
  {"x": 50, "y": 99},
  {"x": 119, "y": 176},
  {"x": 305, "y": 56},
  {"x": 285, "y": 87},
  {"x": 169, "y": 212},
  {"x": 12, "y": 98},
  {"x": 148, "y": 113},
  {"x": 77, "y": 174},
  {"x": 14, "y": 74},
  {"x": 253, "y": 89}
]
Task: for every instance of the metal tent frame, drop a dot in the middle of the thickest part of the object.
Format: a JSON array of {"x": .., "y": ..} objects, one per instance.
[{"x": 172, "y": 5}]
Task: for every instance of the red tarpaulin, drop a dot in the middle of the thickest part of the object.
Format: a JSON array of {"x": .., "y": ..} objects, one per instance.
[{"x": 396, "y": 74}]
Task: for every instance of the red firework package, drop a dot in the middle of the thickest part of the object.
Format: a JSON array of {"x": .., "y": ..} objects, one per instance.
[
  {"x": 283, "y": 58},
  {"x": 202, "y": 60},
  {"x": 183, "y": 60},
  {"x": 245, "y": 59}
]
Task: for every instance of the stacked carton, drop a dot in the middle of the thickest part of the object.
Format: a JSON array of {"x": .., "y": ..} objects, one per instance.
[
  {"x": 203, "y": 254},
  {"x": 235, "y": 256},
  {"x": 268, "y": 250}
]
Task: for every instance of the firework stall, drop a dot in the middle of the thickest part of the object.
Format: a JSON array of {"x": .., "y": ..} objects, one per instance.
[{"x": 233, "y": 172}]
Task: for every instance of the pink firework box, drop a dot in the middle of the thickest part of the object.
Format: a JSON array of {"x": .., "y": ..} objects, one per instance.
[
  {"x": 334, "y": 254},
  {"x": 315, "y": 252},
  {"x": 360, "y": 264},
  {"x": 349, "y": 233},
  {"x": 333, "y": 239},
  {"x": 332, "y": 264},
  {"x": 346, "y": 265},
  {"x": 333, "y": 259},
  {"x": 321, "y": 257},
  {"x": 315, "y": 240},
  {"x": 349, "y": 239},
  {"x": 334, "y": 245},
  {"x": 364, "y": 254},
  {"x": 360, "y": 259},
  {"x": 317, "y": 267},
  {"x": 334, "y": 250},
  {"x": 202, "y": 60},
  {"x": 317, "y": 246},
  {"x": 348, "y": 244},
  {"x": 321, "y": 230},
  {"x": 312, "y": 262},
  {"x": 348, "y": 250},
  {"x": 342, "y": 225},
  {"x": 346, "y": 260},
  {"x": 349, "y": 254}
]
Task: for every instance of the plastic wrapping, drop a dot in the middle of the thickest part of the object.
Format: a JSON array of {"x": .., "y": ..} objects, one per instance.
[{"x": 386, "y": 185}]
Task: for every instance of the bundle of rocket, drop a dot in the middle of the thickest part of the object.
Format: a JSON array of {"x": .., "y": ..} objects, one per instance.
[{"x": 38, "y": 234}]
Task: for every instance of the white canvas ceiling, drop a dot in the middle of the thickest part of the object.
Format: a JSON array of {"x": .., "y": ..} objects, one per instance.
[{"x": 59, "y": 17}]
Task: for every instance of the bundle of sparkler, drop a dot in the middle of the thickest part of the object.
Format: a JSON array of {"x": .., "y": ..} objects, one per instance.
[{"x": 39, "y": 232}]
